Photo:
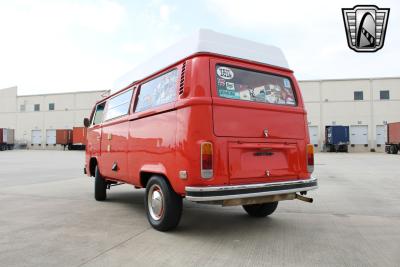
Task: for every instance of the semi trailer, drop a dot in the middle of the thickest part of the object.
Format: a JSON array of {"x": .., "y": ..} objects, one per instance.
[
  {"x": 393, "y": 138},
  {"x": 78, "y": 139},
  {"x": 7, "y": 139},
  {"x": 63, "y": 137},
  {"x": 337, "y": 138}
]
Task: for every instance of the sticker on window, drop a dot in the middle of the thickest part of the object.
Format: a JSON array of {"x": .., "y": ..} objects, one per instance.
[
  {"x": 230, "y": 86},
  {"x": 221, "y": 82},
  {"x": 225, "y": 73},
  {"x": 229, "y": 94},
  {"x": 254, "y": 86},
  {"x": 286, "y": 83}
]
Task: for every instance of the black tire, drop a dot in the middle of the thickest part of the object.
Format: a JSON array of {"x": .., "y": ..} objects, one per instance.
[
  {"x": 394, "y": 149},
  {"x": 261, "y": 210},
  {"x": 169, "y": 215},
  {"x": 100, "y": 186}
]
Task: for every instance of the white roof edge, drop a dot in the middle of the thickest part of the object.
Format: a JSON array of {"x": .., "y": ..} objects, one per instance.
[{"x": 210, "y": 42}]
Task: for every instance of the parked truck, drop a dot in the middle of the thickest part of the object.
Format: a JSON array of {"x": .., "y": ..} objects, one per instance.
[
  {"x": 337, "y": 138},
  {"x": 78, "y": 139},
  {"x": 6, "y": 139},
  {"x": 393, "y": 138}
]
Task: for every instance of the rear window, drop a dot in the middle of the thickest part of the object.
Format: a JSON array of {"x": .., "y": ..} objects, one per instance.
[{"x": 253, "y": 86}]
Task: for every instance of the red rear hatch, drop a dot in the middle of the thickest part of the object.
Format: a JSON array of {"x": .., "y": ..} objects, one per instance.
[{"x": 260, "y": 115}]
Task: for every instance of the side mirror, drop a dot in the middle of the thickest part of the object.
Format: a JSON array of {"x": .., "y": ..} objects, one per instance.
[{"x": 86, "y": 122}]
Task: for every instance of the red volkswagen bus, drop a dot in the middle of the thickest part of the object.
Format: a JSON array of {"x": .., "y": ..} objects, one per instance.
[{"x": 214, "y": 119}]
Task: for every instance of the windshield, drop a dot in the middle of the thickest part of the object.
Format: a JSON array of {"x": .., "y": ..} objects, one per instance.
[{"x": 241, "y": 84}]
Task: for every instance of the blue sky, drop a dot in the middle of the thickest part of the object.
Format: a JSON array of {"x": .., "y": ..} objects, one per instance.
[{"x": 57, "y": 46}]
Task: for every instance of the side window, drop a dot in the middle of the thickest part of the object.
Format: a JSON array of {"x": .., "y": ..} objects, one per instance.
[
  {"x": 98, "y": 114},
  {"x": 384, "y": 95},
  {"x": 158, "y": 91},
  {"x": 118, "y": 105},
  {"x": 358, "y": 95}
]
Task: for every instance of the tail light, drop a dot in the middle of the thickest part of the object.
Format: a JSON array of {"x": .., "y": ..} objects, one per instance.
[
  {"x": 206, "y": 160},
  {"x": 310, "y": 158}
]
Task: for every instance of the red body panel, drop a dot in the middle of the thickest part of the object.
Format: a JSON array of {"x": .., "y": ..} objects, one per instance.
[
  {"x": 1, "y": 135},
  {"x": 79, "y": 135},
  {"x": 166, "y": 140},
  {"x": 393, "y": 131}
]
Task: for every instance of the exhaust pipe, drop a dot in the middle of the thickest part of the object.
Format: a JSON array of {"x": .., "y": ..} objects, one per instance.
[{"x": 303, "y": 198}]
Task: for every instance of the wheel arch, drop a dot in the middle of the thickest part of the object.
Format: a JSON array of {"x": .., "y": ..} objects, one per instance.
[{"x": 146, "y": 175}]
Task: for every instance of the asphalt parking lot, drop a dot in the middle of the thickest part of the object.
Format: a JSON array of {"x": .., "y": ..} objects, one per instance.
[{"x": 48, "y": 217}]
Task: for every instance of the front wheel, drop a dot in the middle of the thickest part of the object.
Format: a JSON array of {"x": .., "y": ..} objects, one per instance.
[
  {"x": 163, "y": 205},
  {"x": 261, "y": 210},
  {"x": 100, "y": 186}
]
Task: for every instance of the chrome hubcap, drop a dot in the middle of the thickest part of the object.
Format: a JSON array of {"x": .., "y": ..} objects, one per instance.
[{"x": 155, "y": 202}]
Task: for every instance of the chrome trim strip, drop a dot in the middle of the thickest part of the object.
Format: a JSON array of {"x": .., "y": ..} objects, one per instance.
[
  {"x": 246, "y": 186},
  {"x": 268, "y": 193},
  {"x": 265, "y": 186}
]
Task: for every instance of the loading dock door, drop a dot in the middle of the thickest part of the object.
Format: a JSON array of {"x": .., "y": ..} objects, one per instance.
[
  {"x": 51, "y": 137},
  {"x": 313, "y": 131},
  {"x": 381, "y": 134},
  {"x": 36, "y": 137},
  {"x": 359, "y": 134}
]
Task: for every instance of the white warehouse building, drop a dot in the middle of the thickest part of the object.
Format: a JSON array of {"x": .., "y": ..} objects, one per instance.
[
  {"x": 32, "y": 116},
  {"x": 365, "y": 105}
]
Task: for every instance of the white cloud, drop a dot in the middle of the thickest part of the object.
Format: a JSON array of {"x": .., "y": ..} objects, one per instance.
[
  {"x": 165, "y": 12},
  {"x": 40, "y": 49},
  {"x": 156, "y": 32},
  {"x": 134, "y": 47}
]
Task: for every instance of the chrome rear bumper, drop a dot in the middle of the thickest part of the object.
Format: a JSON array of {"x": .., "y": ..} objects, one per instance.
[{"x": 215, "y": 193}]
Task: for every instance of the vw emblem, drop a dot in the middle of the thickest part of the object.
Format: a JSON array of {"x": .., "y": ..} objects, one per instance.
[{"x": 266, "y": 132}]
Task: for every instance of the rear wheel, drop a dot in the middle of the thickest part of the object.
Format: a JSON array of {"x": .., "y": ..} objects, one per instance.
[
  {"x": 261, "y": 210},
  {"x": 100, "y": 186},
  {"x": 163, "y": 205},
  {"x": 393, "y": 149}
]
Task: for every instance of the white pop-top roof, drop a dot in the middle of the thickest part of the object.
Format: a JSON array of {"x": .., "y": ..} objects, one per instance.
[{"x": 205, "y": 41}]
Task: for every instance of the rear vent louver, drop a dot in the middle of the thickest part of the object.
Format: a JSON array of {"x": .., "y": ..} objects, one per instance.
[{"x": 182, "y": 82}]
